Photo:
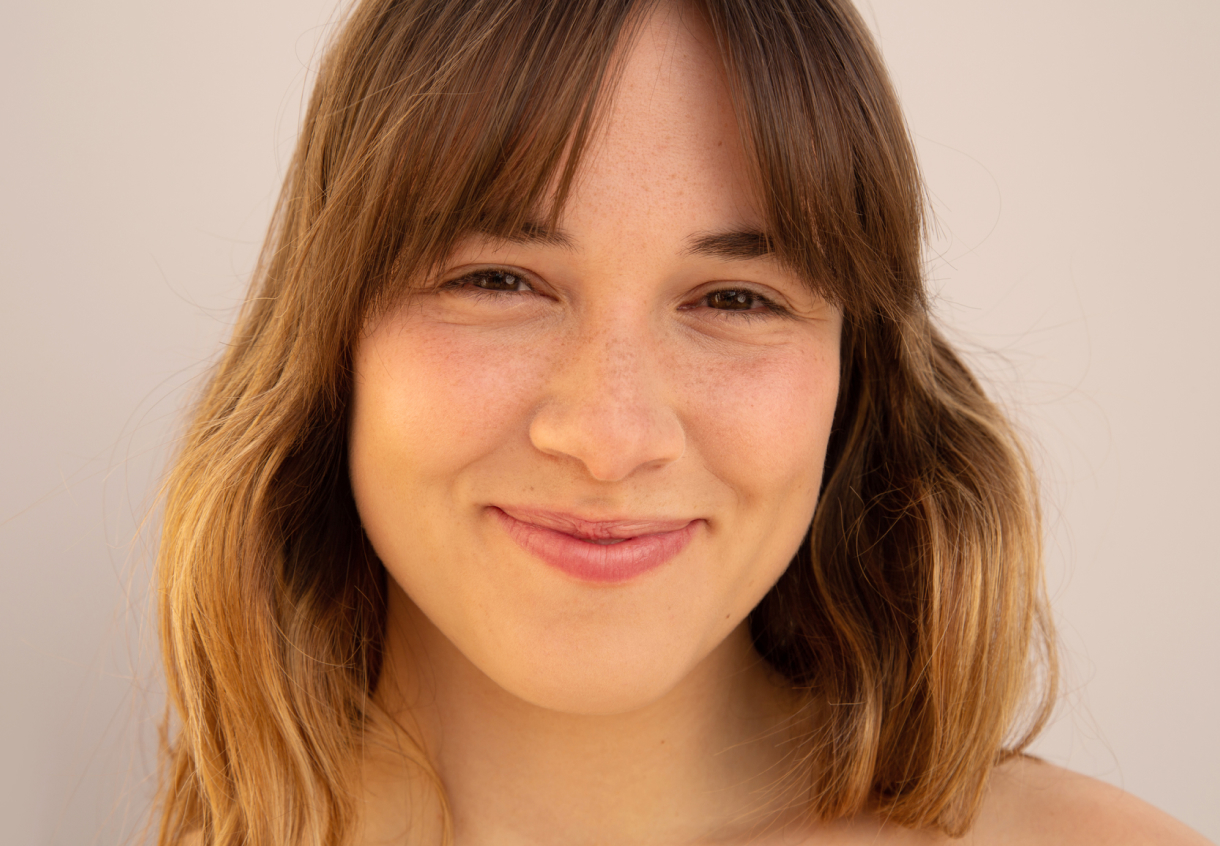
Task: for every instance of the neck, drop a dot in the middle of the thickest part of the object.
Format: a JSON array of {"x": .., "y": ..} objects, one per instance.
[{"x": 710, "y": 759}]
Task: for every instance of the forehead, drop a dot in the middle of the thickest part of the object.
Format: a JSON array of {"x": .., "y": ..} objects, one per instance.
[
  {"x": 645, "y": 154},
  {"x": 669, "y": 136}
]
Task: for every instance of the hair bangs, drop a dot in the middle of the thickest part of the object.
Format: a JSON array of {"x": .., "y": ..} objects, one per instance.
[
  {"x": 834, "y": 168},
  {"x": 490, "y": 140}
]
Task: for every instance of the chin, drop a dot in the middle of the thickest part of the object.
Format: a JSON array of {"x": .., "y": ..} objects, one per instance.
[
  {"x": 595, "y": 688},
  {"x": 614, "y": 668}
]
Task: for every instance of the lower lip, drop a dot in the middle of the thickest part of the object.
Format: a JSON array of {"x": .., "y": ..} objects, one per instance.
[{"x": 593, "y": 562}]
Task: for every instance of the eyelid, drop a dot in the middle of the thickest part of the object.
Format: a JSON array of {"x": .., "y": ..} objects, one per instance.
[
  {"x": 454, "y": 279},
  {"x": 774, "y": 303}
]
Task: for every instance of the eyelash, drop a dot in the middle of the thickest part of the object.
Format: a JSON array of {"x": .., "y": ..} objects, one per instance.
[
  {"x": 770, "y": 308},
  {"x": 460, "y": 283}
]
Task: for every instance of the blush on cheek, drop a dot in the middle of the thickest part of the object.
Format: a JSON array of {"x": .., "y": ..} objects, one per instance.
[
  {"x": 771, "y": 413},
  {"x": 450, "y": 385}
]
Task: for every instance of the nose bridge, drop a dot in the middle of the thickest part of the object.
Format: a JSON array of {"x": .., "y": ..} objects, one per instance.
[
  {"x": 616, "y": 359},
  {"x": 607, "y": 404}
]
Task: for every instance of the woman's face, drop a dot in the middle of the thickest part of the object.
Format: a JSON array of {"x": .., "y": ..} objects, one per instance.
[{"x": 586, "y": 454}]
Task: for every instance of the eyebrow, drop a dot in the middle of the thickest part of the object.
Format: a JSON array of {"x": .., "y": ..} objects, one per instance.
[
  {"x": 533, "y": 232},
  {"x": 736, "y": 244}
]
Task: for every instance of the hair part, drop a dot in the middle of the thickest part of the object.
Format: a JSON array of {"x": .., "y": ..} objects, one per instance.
[{"x": 914, "y": 611}]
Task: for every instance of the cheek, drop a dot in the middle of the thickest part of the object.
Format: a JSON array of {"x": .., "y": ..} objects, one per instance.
[
  {"x": 438, "y": 397},
  {"x": 428, "y": 406},
  {"x": 762, "y": 424}
]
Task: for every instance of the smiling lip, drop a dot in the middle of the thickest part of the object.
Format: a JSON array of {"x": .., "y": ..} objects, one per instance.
[{"x": 627, "y": 548}]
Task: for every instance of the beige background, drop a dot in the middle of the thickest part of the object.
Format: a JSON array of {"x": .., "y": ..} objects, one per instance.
[{"x": 1070, "y": 150}]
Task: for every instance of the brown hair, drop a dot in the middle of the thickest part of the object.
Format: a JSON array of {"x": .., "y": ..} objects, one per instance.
[{"x": 915, "y": 607}]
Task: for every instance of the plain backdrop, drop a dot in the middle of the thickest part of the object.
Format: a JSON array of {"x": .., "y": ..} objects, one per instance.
[{"x": 1070, "y": 152}]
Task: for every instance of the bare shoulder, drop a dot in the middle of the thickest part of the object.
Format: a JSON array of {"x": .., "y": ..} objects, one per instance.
[{"x": 1032, "y": 802}]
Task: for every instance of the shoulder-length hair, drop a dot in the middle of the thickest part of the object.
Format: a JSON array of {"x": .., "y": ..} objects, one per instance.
[{"x": 914, "y": 610}]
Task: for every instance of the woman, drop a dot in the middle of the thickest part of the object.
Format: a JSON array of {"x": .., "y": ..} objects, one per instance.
[{"x": 585, "y": 466}]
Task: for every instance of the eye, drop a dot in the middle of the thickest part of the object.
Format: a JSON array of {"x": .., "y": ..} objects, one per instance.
[
  {"x": 745, "y": 302},
  {"x": 490, "y": 281},
  {"x": 733, "y": 300}
]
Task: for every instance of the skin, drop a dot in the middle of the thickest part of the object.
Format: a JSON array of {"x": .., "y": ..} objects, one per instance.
[{"x": 609, "y": 379}]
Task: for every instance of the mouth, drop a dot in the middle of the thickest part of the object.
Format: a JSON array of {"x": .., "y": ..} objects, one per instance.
[
  {"x": 594, "y": 530},
  {"x": 606, "y": 551}
]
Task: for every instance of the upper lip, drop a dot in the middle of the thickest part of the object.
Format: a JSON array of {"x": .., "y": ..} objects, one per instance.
[{"x": 570, "y": 524}]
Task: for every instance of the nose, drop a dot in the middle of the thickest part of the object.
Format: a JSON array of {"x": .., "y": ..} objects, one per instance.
[{"x": 609, "y": 406}]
